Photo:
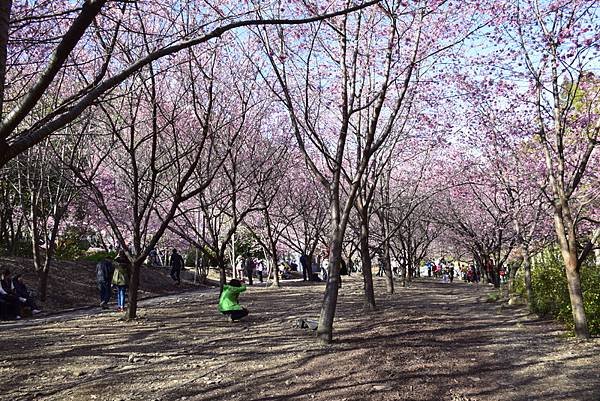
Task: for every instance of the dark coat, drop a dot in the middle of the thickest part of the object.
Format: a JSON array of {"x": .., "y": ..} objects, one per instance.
[{"x": 104, "y": 271}]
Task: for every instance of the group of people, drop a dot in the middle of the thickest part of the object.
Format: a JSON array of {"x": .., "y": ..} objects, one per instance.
[
  {"x": 472, "y": 275},
  {"x": 15, "y": 298},
  {"x": 248, "y": 266},
  {"x": 442, "y": 269},
  {"x": 109, "y": 275}
]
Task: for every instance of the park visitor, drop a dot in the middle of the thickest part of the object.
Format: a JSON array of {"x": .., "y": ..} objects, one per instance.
[
  {"x": 176, "y": 266},
  {"x": 120, "y": 279},
  {"x": 260, "y": 268},
  {"x": 228, "y": 301},
  {"x": 23, "y": 293},
  {"x": 249, "y": 268},
  {"x": 306, "y": 274},
  {"x": 9, "y": 302},
  {"x": 104, "y": 273}
]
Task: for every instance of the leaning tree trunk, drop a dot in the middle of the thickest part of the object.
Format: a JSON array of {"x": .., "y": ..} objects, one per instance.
[
  {"x": 325, "y": 328},
  {"x": 367, "y": 271}
]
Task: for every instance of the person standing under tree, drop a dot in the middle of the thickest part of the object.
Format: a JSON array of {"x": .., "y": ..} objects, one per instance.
[
  {"x": 260, "y": 268},
  {"x": 306, "y": 274},
  {"x": 249, "y": 269},
  {"x": 104, "y": 273},
  {"x": 176, "y": 266},
  {"x": 121, "y": 279}
]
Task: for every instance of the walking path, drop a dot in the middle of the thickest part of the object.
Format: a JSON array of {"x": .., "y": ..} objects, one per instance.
[{"x": 432, "y": 341}]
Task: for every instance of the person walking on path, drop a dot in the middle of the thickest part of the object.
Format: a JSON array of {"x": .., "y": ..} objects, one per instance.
[
  {"x": 228, "y": 301},
  {"x": 104, "y": 273},
  {"x": 176, "y": 266},
  {"x": 120, "y": 279},
  {"x": 249, "y": 269}
]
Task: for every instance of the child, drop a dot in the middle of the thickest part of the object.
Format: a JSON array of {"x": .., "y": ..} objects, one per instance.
[{"x": 228, "y": 302}]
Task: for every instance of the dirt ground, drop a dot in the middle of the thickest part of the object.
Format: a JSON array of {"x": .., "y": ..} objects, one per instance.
[{"x": 432, "y": 341}]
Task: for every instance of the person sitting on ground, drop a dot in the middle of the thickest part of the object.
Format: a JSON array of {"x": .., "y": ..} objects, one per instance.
[
  {"x": 23, "y": 292},
  {"x": 9, "y": 302},
  {"x": 228, "y": 302}
]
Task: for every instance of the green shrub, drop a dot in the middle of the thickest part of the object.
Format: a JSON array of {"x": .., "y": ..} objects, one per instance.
[
  {"x": 22, "y": 247},
  {"x": 73, "y": 243},
  {"x": 493, "y": 297},
  {"x": 590, "y": 277},
  {"x": 551, "y": 293},
  {"x": 98, "y": 256}
]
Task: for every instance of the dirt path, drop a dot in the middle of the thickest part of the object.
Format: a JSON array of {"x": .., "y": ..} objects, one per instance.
[{"x": 430, "y": 342}]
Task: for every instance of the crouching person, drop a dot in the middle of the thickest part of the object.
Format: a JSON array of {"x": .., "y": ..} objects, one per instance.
[{"x": 228, "y": 302}]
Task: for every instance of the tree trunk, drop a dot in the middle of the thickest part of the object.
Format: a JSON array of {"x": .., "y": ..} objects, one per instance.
[
  {"x": 222, "y": 271},
  {"x": 134, "y": 283},
  {"x": 576, "y": 294},
  {"x": 50, "y": 250},
  {"x": 367, "y": 271},
  {"x": 275, "y": 268},
  {"x": 5, "y": 8},
  {"x": 35, "y": 248},
  {"x": 389, "y": 274},
  {"x": 512, "y": 277},
  {"x": 43, "y": 282},
  {"x": 567, "y": 240},
  {"x": 325, "y": 328},
  {"x": 495, "y": 271},
  {"x": 527, "y": 270},
  {"x": 403, "y": 273}
]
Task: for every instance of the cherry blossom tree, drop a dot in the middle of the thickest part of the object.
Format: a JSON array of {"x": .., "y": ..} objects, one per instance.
[
  {"x": 45, "y": 189},
  {"x": 551, "y": 45},
  {"x": 145, "y": 151},
  {"x": 75, "y": 60}
]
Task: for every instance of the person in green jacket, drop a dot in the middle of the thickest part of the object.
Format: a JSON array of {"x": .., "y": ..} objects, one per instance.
[
  {"x": 228, "y": 302},
  {"x": 120, "y": 279}
]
